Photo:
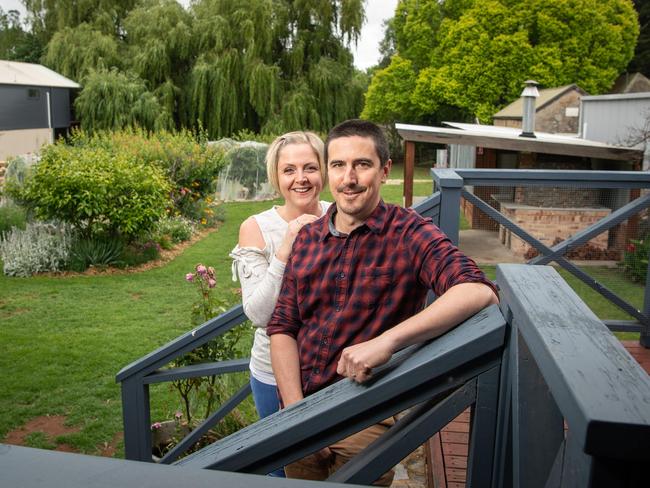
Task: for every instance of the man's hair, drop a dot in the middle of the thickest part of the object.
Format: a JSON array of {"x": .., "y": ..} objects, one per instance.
[
  {"x": 361, "y": 128},
  {"x": 299, "y": 137}
]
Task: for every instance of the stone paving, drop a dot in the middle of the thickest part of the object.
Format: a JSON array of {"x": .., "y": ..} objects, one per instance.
[{"x": 411, "y": 472}]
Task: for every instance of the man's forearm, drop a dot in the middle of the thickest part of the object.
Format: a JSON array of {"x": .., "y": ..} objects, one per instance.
[
  {"x": 286, "y": 368},
  {"x": 457, "y": 304}
]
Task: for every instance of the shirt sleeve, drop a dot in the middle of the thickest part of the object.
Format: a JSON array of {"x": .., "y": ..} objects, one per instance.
[
  {"x": 286, "y": 316},
  {"x": 260, "y": 281},
  {"x": 441, "y": 264}
]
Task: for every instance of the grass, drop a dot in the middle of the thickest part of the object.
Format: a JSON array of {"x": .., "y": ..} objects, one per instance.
[{"x": 65, "y": 338}]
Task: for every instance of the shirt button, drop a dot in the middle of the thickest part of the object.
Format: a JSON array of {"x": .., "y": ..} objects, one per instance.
[
  {"x": 342, "y": 275},
  {"x": 316, "y": 370},
  {"x": 338, "y": 309},
  {"x": 324, "y": 342}
]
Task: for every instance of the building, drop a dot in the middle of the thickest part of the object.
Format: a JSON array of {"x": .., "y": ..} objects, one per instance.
[
  {"x": 556, "y": 111},
  {"x": 34, "y": 107}
]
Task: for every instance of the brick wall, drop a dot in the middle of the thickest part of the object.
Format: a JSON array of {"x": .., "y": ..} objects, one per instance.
[{"x": 549, "y": 224}]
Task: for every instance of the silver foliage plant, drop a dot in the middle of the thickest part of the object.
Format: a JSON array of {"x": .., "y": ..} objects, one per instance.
[{"x": 40, "y": 248}]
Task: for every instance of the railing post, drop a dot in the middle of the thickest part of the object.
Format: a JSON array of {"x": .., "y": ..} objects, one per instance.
[
  {"x": 450, "y": 184},
  {"x": 644, "y": 338},
  {"x": 137, "y": 419},
  {"x": 409, "y": 171}
]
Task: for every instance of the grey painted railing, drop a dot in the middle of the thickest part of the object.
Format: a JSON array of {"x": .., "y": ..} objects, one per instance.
[
  {"x": 451, "y": 185},
  {"x": 556, "y": 402},
  {"x": 575, "y": 406}
]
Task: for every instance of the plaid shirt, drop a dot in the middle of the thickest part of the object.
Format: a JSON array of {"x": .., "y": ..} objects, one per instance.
[{"x": 341, "y": 290}]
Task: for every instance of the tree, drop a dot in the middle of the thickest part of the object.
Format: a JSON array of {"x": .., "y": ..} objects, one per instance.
[
  {"x": 474, "y": 55},
  {"x": 115, "y": 100},
  {"x": 75, "y": 51},
  {"x": 16, "y": 44},
  {"x": 641, "y": 60}
]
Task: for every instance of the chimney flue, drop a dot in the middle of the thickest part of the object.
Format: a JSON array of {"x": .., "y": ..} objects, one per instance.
[{"x": 529, "y": 95}]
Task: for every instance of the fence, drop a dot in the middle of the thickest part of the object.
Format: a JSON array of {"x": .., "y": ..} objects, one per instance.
[{"x": 466, "y": 185}]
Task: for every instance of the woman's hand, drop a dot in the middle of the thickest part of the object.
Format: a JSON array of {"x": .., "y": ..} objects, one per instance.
[{"x": 292, "y": 231}]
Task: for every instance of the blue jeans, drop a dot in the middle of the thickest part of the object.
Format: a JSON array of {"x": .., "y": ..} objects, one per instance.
[{"x": 266, "y": 402}]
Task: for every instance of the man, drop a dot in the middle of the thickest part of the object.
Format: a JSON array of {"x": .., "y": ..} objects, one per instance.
[{"x": 355, "y": 285}]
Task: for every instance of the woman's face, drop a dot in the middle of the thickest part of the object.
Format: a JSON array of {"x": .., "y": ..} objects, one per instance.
[{"x": 299, "y": 176}]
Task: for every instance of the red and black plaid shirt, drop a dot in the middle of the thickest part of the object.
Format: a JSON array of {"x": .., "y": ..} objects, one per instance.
[{"x": 341, "y": 290}]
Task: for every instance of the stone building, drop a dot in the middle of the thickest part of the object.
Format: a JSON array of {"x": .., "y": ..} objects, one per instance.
[{"x": 556, "y": 111}]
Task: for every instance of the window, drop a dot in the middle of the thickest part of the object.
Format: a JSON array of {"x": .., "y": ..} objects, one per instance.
[{"x": 33, "y": 94}]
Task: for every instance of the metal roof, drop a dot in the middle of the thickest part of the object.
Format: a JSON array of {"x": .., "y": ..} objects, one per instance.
[
  {"x": 27, "y": 74},
  {"x": 508, "y": 138},
  {"x": 546, "y": 96}
]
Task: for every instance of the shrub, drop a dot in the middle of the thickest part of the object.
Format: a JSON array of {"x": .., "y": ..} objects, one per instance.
[
  {"x": 95, "y": 251},
  {"x": 188, "y": 161},
  {"x": 635, "y": 259},
  {"x": 97, "y": 191},
  {"x": 12, "y": 215},
  {"x": 138, "y": 253},
  {"x": 41, "y": 247},
  {"x": 178, "y": 229}
]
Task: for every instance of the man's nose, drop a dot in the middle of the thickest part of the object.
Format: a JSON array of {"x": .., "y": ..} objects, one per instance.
[{"x": 350, "y": 175}]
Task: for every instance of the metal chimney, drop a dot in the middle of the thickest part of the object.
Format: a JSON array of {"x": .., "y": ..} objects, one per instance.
[{"x": 529, "y": 95}]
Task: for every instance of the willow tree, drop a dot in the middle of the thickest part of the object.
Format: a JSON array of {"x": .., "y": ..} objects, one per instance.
[
  {"x": 115, "y": 100},
  {"x": 159, "y": 49},
  {"x": 274, "y": 65},
  {"x": 75, "y": 51}
]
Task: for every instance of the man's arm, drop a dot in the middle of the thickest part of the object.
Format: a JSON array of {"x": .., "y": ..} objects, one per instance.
[
  {"x": 286, "y": 368},
  {"x": 458, "y": 303}
]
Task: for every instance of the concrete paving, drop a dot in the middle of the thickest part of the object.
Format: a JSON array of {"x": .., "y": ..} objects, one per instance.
[{"x": 484, "y": 247}]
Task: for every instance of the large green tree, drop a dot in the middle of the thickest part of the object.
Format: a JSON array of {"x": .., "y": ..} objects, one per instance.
[
  {"x": 17, "y": 44},
  {"x": 222, "y": 66},
  {"x": 472, "y": 56}
]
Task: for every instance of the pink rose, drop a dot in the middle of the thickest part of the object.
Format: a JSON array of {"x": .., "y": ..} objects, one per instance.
[
  {"x": 202, "y": 270},
  {"x": 212, "y": 283},
  {"x": 189, "y": 277}
]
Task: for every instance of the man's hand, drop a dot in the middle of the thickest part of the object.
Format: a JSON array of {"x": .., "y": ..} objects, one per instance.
[{"x": 357, "y": 361}]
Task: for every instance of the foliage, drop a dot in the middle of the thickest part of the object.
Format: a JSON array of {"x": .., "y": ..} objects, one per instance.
[
  {"x": 474, "y": 56},
  {"x": 12, "y": 215},
  {"x": 221, "y": 348},
  {"x": 79, "y": 51},
  {"x": 139, "y": 252},
  {"x": 97, "y": 191},
  {"x": 97, "y": 251},
  {"x": 264, "y": 65},
  {"x": 177, "y": 229},
  {"x": 190, "y": 163},
  {"x": 641, "y": 60},
  {"x": 39, "y": 248},
  {"x": 17, "y": 44},
  {"x": 635, "y": 259},
  {"x": 112, "y": 99}
]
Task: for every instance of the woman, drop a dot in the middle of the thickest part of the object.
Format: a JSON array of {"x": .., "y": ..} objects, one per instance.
[{"x": 295, "y": 167}]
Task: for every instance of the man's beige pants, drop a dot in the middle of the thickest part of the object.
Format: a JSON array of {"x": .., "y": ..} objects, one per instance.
[{"x": 316, "y": 467}]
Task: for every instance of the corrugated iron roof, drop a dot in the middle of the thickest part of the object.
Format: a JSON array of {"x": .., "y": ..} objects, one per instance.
[
  {"x": 509, "y": 138},
  {"x": 546, "y": 96},
  {"x": 27, "y": 74}
]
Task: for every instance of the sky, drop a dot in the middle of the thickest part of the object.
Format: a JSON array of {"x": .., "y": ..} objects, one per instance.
[{"x": 366, "y": 53}]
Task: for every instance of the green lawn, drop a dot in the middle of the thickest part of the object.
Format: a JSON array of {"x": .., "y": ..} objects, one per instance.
[{"x": 64, "y": 338}]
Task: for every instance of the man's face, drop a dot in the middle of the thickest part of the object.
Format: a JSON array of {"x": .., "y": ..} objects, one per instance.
[{"x": 355, "y": 175}]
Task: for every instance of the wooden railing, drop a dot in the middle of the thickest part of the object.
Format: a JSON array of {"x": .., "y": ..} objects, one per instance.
[{"x": 452, "y": 186}]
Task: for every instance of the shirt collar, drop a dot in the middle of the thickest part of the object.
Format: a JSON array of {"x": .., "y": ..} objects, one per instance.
[{"x": 376, "y": 222}]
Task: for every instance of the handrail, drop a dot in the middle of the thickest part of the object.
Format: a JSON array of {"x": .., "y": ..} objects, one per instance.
[
  {"x": 542, "y": 177},
  {"x": 565, "y": 365},
  {"x": 184, "y": 343}
]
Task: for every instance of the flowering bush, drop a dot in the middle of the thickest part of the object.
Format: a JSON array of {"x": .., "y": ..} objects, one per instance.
[
  {"x": 39, "y": 248},
  {"x": 206, "y": 390},
  {"x": 635, "y": 260}
]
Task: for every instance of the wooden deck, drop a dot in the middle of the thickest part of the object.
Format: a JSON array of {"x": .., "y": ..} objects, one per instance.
[{"x": 447, "y": 451}]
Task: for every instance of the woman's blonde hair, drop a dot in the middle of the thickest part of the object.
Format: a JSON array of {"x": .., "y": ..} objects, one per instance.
[{"x": 298, "y": 137}]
